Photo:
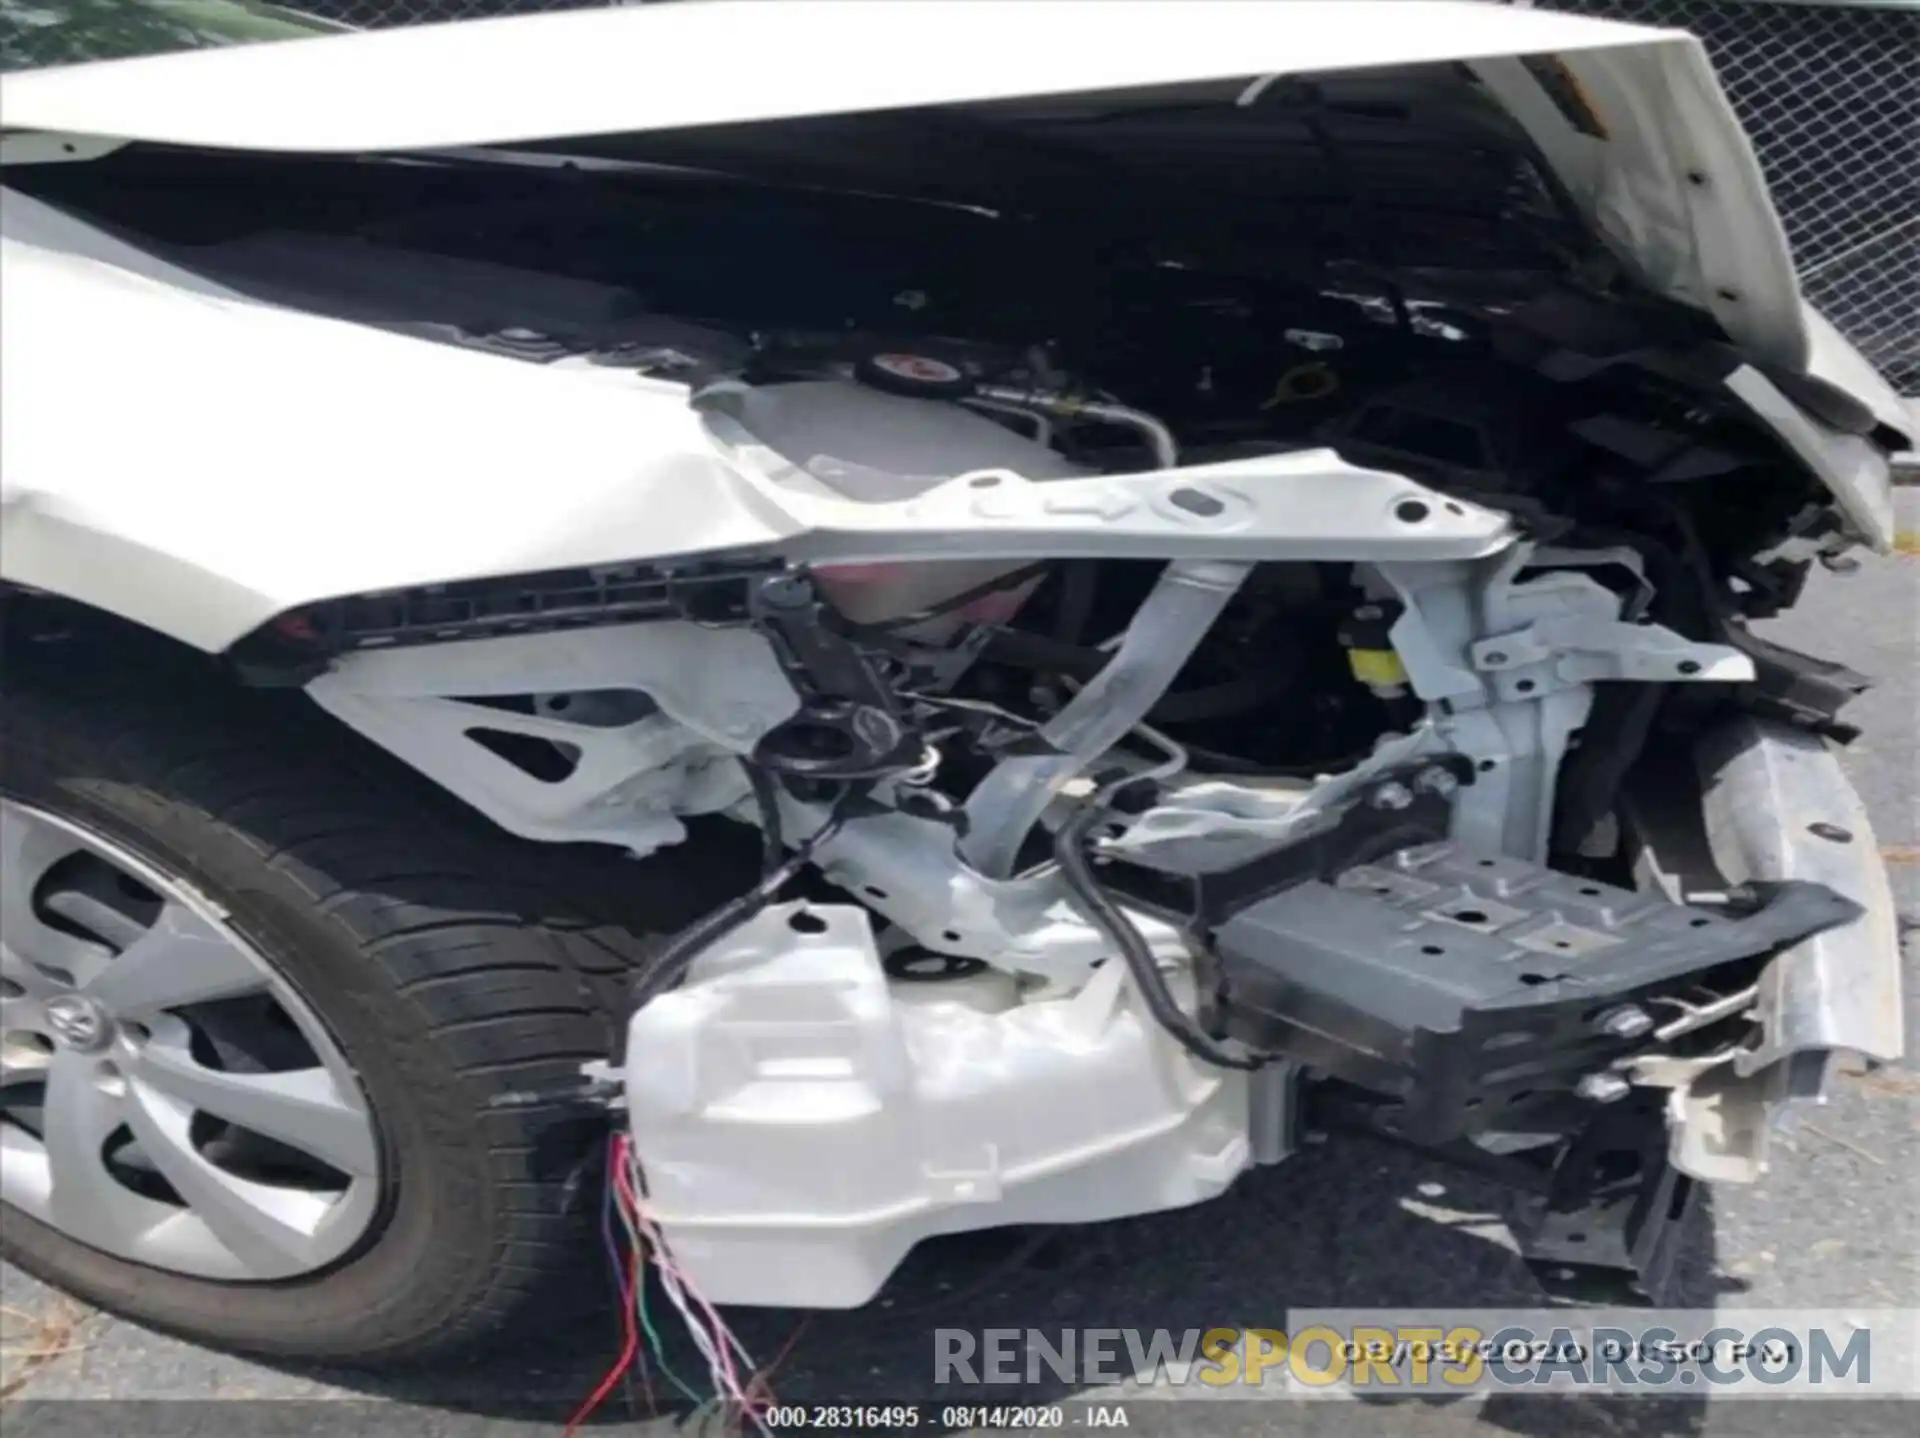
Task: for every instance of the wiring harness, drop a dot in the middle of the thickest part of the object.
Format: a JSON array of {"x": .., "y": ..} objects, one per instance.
[{"x": 739, "y": 1391}]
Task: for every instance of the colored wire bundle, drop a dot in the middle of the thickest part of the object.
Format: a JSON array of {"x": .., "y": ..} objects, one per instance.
[{"x": 739, "y": 1392}]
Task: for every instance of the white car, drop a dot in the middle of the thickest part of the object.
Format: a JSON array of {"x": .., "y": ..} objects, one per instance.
[{"x": 1213, "y": 543}]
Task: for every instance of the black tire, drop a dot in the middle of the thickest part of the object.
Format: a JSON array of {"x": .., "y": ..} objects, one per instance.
[{"x": 449, "y": 960}]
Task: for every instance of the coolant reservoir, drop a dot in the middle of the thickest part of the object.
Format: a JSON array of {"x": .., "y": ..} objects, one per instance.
[{"x": 850, "y": 441}]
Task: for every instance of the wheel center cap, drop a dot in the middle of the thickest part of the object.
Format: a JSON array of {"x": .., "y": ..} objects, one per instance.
[{"x": 78, "y": 1022}]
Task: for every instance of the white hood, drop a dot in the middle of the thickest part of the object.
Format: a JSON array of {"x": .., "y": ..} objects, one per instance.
[
  {"x": 1665, "y": 175},
  {"x": 1646, "y": 145}
]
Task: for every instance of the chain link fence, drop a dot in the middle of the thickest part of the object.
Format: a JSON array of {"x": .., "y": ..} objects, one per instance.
[
  {"x": 1829, "y": 91},
  {"x": 1830, "y": 94},
  {"x": 379, "y": 14}
]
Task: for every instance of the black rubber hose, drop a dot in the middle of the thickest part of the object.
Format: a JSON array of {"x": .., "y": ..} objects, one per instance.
[
  {"x": 1214, "y": 761},
  {"x": 1079, "y": 588},
  {"x": 678, "y": 956},
  {"x": 766, "y": 798},
  {"x": 1069, "y": 851},
  {"x": 1023, "y": 649}
]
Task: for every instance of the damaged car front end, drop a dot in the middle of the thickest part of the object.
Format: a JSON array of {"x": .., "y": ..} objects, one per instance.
[{"x": 1223, "y": 574}]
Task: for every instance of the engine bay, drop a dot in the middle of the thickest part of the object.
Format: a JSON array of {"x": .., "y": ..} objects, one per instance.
[
  {"x": 890, "y": 326},
  {"x": 1354, "y": 821},
  {"x": 887, "y": 332},
  {"x": 889, "y": 342},
  {"x": 1518, "y": 363}
]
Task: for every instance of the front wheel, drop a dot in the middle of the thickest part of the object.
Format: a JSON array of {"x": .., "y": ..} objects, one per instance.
[{"x": 258, "y": 988}]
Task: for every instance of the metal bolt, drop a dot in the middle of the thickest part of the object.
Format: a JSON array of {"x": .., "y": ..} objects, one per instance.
[
  {"x": 1493, "y": 656},
  {"x": 1391, "y": 795},
  {"x": 1626, "y": 1023},
  {"x": 785, "y": 592},
  {"x": 1437, "y": 781},
  {"x": 1603, "y": 1088}
]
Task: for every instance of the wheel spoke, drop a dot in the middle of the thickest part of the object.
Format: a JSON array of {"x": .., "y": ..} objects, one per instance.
[
  {"x": 268, "y": 1229},
  {"x": 303, "y": 1109},
  {"x": 183, "y": 959},
  {"x": 95, "y": 916},
  {"x": 29, "y": 846},
  {"x": 87, "y": 1200},
  {"x": 15, "y": 969},
  {"x": 24, "y": 1047},
  {"x": 22, "y": 1012}
]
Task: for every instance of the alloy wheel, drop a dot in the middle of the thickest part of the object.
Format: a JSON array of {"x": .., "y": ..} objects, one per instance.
[{"x": 165, "y": 1095}]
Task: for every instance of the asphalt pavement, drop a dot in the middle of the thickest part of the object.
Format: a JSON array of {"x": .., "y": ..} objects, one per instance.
[{"x": 1834, "y": 1225}]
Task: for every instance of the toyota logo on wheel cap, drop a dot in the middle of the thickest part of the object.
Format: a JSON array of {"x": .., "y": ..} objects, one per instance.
[{"x": 78, "y": 1022}]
